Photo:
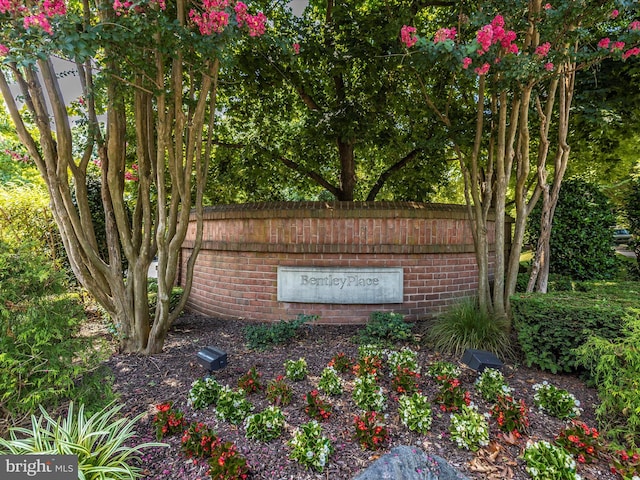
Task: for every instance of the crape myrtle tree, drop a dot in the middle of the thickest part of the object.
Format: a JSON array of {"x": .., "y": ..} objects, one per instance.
[
  {"x": 152, "y": 67},
  {"x": 322, "y": 109},
  {"x": 506, "y": 106}
]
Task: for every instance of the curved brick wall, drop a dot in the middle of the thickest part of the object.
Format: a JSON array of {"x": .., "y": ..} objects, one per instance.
[{"x": 236, "y": 271}]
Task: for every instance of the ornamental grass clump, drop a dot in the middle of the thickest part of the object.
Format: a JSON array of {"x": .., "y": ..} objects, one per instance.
[
  {"x": 465, "y": 326},
  {"x": 296, "y": 370},
  {"x": 370, "y": 430},
  {"x": 266, "y": 425},
  {"x": 582, "y": 442},
  {"x": 555, "y": 401},
  {"x": 330, "y": 382},
  {"x": 309, "y": 447},
  {"x": 545, "y": 461},
  {"x": 102, "y": 442},
  {"x": 279, "y": 392},
  {"x": 491, "y": 383},
  {"x": 415, "y": 412},
  {"x": 233, "y": 406},
  {"x": 367, "y": 394},
  {"x": 469, "y": 429},
  {"x": 204, "y": 392}
]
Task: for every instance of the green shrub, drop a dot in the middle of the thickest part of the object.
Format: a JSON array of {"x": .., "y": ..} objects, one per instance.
[
  {"x": 152, "y": 294},
  {"x": 550, "y": 326},
  {"x": 385, "y": 327},
  {"x": 615, "y": 367},
  {"x": 42, "y": 360},
  {"x": 581, "y": 235},
  {"x": 464, "y": 326},
  {"x": 265, "y": 336},
  {"x": 102, "y": 441}
]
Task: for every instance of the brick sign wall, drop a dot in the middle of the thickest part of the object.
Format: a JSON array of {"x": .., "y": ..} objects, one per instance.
[{"x": 324, "y": 248}]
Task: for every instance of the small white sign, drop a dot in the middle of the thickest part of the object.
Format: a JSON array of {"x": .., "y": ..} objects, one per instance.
[{"x": 340, "y": 285}]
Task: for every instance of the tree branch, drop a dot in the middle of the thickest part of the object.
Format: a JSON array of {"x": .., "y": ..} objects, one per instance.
[{"x": 384, "y": 176}]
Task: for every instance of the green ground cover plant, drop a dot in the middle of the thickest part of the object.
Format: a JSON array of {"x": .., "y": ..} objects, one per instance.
[
  {"x": 385, "y": 327},
  {"x": 265, "y": 336}
]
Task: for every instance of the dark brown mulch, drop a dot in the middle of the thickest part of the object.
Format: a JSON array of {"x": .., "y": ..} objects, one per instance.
[{"x": 143, "y": 382}]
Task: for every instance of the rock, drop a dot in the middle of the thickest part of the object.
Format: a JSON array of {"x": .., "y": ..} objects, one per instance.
[{"x": 410, "y": 463}]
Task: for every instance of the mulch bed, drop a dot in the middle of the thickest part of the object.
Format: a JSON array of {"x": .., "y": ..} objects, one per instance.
[{"x": 143, "y": 382}]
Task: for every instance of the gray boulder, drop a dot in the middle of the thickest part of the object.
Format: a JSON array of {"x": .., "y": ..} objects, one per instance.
[{"x": 410, "y": 463}]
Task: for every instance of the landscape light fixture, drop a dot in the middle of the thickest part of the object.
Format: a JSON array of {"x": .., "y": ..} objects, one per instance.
[
  {"x": 479, "y": 360},
  {"x": 212, "y": 358}
]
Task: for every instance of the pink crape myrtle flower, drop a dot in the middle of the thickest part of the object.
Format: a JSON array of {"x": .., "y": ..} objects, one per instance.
[
  {"x": 215, "y": 4},
  {"x": 296, "y": 48},
  {"x": 549, "y": 67},
  {"x": 543, "y": 50},
  {"x": 547, "y": 6},
  {"x": 466, "y": 62},
  {"x": 54, "y": 7},
  {"x": 614, "y": 14},
  {"x": 484, "y": 37},
  {"x": 4, "y": 50},
  {"x": 241, "y": 13},
  {"x": 617, "y": 46},
  {"x": 38, "y": 21},
  {"x": 444, "y": 34},
  {"x": 121, "y": 7},
  {"x": 632, "y": 52},
  {"x": 257, "y": 24},
  {"x": 407, "y": 36},
  {"x": 210, "y": 22},
  {"x": 161, "y": 3},
  {"x": 483, "y": 69},
  {"x": 635, "y": 25},
  {"x": 604, "y": 43}
]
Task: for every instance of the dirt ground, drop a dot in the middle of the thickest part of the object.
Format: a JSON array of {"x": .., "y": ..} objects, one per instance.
[{"x": 143, "y": 382}]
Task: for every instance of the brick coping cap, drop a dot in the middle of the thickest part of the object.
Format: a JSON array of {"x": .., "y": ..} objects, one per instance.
[{"x": 337, "y": 209}]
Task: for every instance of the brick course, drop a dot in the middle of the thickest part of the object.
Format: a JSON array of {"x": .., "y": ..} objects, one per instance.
[{"x": 236, "y": 271}]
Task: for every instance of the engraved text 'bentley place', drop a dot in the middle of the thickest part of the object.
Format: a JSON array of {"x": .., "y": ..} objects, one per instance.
[{"x": 339, "y": 285}]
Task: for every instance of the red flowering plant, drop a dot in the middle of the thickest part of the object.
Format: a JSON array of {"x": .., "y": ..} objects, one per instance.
[
  {"x": 626, "y": 463},
  {"x": 279, "y": 391},
  {"x": 226, "y": 463},
  {"x": 341, "y": 363},
  {"x": 451, "y": 395},
  {"x": 582, "y": 442},
  {"x": 371, "y": 433},
  {"x": 317, "y": 408},
  {"x": 511, "y": 415},
  {"x": 198, "y": 441},
  {"x": 405, "y": 381},
  {"x": 250, "y": 381},
  {"x": 167, "y": 420},
  {"x": 368, "y": 364}
]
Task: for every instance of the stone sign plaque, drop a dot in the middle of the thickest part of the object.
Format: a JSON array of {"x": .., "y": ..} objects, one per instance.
[{"x": 340, "y": 285}]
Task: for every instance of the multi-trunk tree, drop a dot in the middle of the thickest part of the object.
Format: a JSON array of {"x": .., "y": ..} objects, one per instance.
[
  {"x": 152, "y": 68},
  {"x": 506, "y": 106}
]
